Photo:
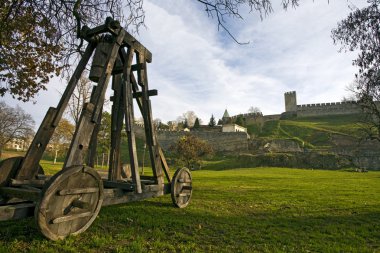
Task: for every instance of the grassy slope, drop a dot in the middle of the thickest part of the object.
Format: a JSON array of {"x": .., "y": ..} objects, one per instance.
[
  {"x": 241, "y": 210},
  {"x": 314, "y": 132}
]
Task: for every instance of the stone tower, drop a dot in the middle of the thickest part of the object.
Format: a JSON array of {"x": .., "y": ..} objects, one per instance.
[{"x": 290, "y": 101}]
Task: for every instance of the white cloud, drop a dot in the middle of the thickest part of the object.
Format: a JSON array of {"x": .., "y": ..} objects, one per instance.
[{"x": 196, "y": 68}]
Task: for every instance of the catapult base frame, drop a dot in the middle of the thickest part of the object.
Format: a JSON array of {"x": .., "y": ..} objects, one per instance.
[{"x": 68, "y": 202}]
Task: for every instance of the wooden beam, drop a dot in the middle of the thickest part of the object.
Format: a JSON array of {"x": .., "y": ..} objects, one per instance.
[
  {"x": 32, "y": 182},
  {"x": 25, "y": 194},
  {"x": 71, "y": 217},
  {"x": 17, "y": 211},
  {"x": 120, "y": 185},
  {"x": 75, "y": 191},
  {"x": 139, "y": 94},
  {"x": 129, "y": 118},
  {"x": 165, "y": 165},
  {"x": 117, "y": 118}
]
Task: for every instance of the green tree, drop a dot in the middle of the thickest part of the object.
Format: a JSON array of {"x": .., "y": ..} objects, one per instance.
[
  {"x": 196, "y": 123},
  {"x": 62, "y": 138},
  {"x": 360, "y": 31},
  {"x": 240, "y": 121},
  {"x": 14, "y": 124},
  {"x": 212, "y": 121},
  {"x": 185, "y": 124},
  {"x": 104, "y": 134},
  {"x": 189, "y": 150}
]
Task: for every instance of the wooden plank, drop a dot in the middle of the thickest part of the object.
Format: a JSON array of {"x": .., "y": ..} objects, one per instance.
[
  {"x": 31, "y": 182},
  {"x": 75, "y": 191},
  {"x": 187, "y": 187},
  {"x": 71, "y": 217},
  {"x": 30, "y": 164},
  {"x": 129, "y": 40},
  {"x": 117, "y": 117},
  {"x": 119, "y": 69},
  {"x": 80, "y": 204},
  {"x": 148, "y": 122},
  {"x": 151, "y": 93},
  {"x": 94, "y": 142},
  {"x": 114, "y": 197},
  {"x": 15, "y": 212},
  {"x": 181, "y": 180},
  {"x": 120, "y": 185},
  {"x": 165, "y": 165},
  {"x": 81, "y": 139},
  {"x": 129, "y": 120},
  {"x": 99, "y": 95},
  {"x": 25, "y": 194}
]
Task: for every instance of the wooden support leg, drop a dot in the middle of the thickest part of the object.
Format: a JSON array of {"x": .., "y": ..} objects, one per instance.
[
  {"x": 148, "y": 122},
  {"x": 129, "y": 120},
  {"x": 116, "y": 126},
  {"x": 94, "y": 143},
  {"x": 30, "y": 164}
]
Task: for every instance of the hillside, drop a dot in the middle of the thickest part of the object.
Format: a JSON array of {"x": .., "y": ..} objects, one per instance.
[{"x": 311, "y": 132}]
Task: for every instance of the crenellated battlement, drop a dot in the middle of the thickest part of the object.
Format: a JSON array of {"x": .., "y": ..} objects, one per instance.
[
  {"x": 248, "y": 115},
  {"x": 319, "y": 109},
  {"x": 348, "y": 104}
]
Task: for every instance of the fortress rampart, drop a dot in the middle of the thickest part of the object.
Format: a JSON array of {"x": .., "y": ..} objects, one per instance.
[
  {"x": 219, "y": 141},
  {"x": 320, "y": 109},
  {"x": 337, "y": 108}
]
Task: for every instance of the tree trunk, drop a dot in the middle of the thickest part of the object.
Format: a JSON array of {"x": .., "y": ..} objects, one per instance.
[{"x": 55, "y": 157}]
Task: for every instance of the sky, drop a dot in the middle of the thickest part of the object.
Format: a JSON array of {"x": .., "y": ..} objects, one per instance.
[{"x": 197, "y": 68}]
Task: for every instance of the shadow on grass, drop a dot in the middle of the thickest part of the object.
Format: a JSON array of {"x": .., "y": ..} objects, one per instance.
[{"x": 204, "y": 230}]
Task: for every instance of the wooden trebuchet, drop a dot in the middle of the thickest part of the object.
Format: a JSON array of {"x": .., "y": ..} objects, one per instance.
[
  {"x": 67, "y": 203},
  {"x": 70, "y": 202},
  {"x": 181, "y": 188}
]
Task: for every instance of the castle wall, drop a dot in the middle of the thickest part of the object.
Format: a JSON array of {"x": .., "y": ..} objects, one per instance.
[
  {"x": 219, "y": 141},
  {"x": 321, "y": 109}
]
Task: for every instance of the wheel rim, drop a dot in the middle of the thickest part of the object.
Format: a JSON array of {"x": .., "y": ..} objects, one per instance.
[
  {"x": 70, "y": 202},
  {"x": 181, "y": 188}
]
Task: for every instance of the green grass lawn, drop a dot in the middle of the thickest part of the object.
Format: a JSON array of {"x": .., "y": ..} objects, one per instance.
[{"x": 239, "y": 210}]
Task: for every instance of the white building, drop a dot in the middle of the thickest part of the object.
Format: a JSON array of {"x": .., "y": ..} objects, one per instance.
[{"x": 229, "y": 128}]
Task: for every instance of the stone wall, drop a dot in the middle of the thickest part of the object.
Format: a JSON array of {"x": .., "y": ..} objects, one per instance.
[
  {"x": 219, "y": 141},
  {"x": 321, "y": 109}
]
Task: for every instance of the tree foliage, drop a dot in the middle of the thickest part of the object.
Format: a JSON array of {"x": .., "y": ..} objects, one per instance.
[
  {"x": 80, "y": 96},
  {"x": 196, "y": 123},
  {"x": 14, "y": 124},
  {"x": 361, "y": 31},
  {"x": 189, "y": 150},
  {"x": 61, "y": 139},
  {"x": 212, "y": 121},
  {"x": 39, "y": 38},
  {"x": 104, "y": 134}
]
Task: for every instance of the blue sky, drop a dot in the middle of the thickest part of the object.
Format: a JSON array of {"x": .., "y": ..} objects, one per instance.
[{"x": 197, "y": 68}]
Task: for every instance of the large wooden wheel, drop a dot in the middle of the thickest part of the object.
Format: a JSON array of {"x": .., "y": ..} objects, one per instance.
[
  {"x": 9, "y": 168},
  {"x": 70, "y": 202},
  {"x": 181, "y": 188}
]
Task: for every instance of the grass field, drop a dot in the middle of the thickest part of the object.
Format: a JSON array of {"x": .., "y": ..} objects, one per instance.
[{"x": 239, "y": 210}]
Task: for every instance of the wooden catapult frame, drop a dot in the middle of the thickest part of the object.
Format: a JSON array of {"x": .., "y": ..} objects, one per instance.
[{"x": 68, "y": 202}]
